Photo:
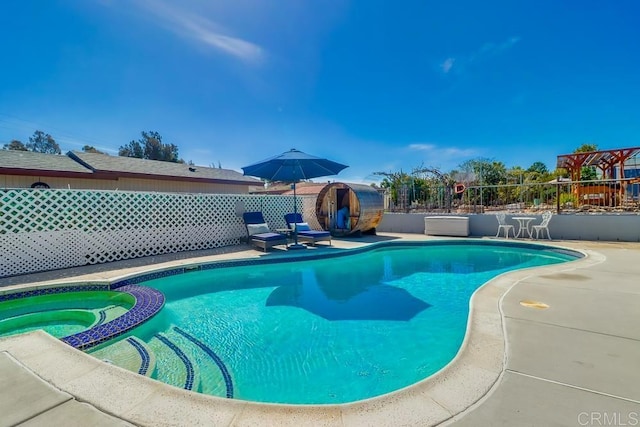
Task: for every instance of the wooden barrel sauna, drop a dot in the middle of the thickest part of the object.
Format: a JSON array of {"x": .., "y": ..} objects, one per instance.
[{"x": 362, "y": 207}]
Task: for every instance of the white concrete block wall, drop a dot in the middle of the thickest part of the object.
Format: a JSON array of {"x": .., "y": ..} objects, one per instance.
[{"x": 604, "y": 227}]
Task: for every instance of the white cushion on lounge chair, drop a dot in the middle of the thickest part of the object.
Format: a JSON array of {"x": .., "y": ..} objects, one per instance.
[
  {"x": 257, "y": 228},
  {"x": 302, "y": 226}
]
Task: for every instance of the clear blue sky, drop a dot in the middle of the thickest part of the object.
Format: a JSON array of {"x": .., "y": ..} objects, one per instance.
[{"x": 377, "y": 85}]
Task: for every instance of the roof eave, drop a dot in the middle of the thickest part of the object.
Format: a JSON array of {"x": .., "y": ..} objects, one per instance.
[
  {"x": 50, "y": 173},
  {"x": 178, "y": 178}
]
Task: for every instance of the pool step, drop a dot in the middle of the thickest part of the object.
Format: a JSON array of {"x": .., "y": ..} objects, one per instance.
[
  {"x": 130, "y": 353},
  {"x": 175, "y": 357},
  {"x": 186, "y": 362},
  {"x": 215, "y": 377},
  {"x": 108, "y": 314},
  {"x": 174, "y": 366}
]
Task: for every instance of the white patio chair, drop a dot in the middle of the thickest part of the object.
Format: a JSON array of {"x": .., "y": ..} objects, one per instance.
[
  {"x": 502, "y": 225},
  {"x": 543, "y": 226}
]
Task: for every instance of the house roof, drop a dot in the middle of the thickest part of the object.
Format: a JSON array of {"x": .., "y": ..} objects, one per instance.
[
  {"x": 130, "y": 166},
  {"x": 26, "y": 162},
  {"x": 307, "y": 189},
  {"x": 301, "y": 188},
  {"x": 103, "y": 166}
]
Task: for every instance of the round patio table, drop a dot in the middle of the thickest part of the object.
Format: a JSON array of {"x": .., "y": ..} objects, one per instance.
[{"x": 523, "y": 222}]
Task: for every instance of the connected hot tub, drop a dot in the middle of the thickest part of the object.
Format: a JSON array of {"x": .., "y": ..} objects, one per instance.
[{"x": 82, "y": 316}]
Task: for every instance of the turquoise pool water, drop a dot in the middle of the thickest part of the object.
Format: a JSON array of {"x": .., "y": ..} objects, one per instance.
[{"x": 324, "y": 331}]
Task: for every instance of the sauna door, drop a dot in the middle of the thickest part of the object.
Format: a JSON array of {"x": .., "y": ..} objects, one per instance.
[{"x": 343, "y": 199}]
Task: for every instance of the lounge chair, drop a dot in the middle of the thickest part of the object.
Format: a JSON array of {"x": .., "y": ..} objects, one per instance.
[
  {"x": 259, "y": 233},
  {"x": 305, "y": 233}
]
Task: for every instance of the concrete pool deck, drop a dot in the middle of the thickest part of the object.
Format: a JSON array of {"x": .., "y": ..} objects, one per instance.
[{"x": 576, "y": 362}]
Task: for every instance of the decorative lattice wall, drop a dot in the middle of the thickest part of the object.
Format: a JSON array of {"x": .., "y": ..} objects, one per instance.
[{"x": 49, "y": 229}]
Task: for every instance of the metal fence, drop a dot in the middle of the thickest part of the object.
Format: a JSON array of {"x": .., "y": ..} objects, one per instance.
[{"x": 597, "y": 196}]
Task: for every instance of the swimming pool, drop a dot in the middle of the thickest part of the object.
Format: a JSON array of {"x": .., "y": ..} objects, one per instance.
[{"x": 328, "y": 330}]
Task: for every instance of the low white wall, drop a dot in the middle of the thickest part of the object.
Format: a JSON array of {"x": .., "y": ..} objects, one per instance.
[{"x": 610, "y": 227}]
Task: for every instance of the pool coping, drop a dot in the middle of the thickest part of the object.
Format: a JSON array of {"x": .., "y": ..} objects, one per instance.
[{"x": 473, "y": 372}]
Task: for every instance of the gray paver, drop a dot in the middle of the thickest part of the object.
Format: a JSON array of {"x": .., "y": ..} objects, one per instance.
[
  {"x": 74, "y": 413},
  {"x": 597, "y": 278},
  {"x": 24, "y": 395},
  {"x": 603, "y": 311},
  {"x": 526, "y": 401},
  {"x": 585, "y": 359}
]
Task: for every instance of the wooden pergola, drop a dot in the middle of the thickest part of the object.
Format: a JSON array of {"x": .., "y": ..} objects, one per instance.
[{"x": 606, "y": 161}]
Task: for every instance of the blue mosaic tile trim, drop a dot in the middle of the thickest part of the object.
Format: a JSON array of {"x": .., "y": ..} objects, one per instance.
[
  {"x": 147, "y": 277},
  {"x": 148, "y": 303},
  {"x": 218, "y": 361},
  {"x": 103, "y": 317},
  {"x": 188, "y": 385},
  {"x": 564, "y": 251},
  {"x": 334, "y": 254},
  {"x": 144, "y": 355},
  {"x": 252, "y": 262},
  {"x": 50, "y": 291}
]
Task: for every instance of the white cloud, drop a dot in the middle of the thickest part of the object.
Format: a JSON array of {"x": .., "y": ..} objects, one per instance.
[
  {"x": 461, "y": 152},
  {"x": 422, "y": 147},
  {"x": 486, "y": 51},
  {"x": 190, "y": 26},
  {"x": 443, "y": 152},
  {"x": 447, "y": 65},
  {"x": 491, "y": 49}
]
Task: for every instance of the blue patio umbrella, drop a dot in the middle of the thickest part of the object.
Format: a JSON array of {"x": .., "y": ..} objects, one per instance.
[{"x": 293, "y": 166}]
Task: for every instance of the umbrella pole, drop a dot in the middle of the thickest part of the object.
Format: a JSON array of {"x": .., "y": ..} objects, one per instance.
[
  {"x": 295, "y": 215},
  {"x": 295, "y": 245}
]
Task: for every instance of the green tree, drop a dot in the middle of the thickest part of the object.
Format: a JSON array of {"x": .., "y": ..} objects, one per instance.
[
  {"x": 404, "y": 188},
  {"x": 487, "y": 172},
  {"x": 538, "y": 167},
  {"x": 586, "y": 148},
  {"x": 42, "y": 142},
  {"x": 397, "y": 183},
  {"x": 150, "y": 147},
  {"x": 435, "y": 188},
  {"x": 91, "y": 149},
  {"x": 132, "y": 149},
  {"x": 15, "y": 145},
  {"x": 587, "y": 173},
  {"x": 424, "y": 185},
  {"x": 515, "y": 190},
  {"x": 559, "y": 173}
]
